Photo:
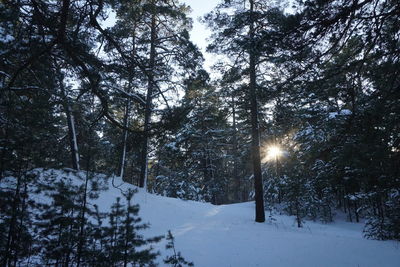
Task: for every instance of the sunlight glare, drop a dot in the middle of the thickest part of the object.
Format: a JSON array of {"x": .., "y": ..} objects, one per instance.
[{"x": 273, "y": 152}]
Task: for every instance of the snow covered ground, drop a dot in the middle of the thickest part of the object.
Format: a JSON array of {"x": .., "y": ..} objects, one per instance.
[{"x": 226, "y": 235}]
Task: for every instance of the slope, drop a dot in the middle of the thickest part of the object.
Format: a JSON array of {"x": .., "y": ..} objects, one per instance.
[{"x": 226, "y": 235}]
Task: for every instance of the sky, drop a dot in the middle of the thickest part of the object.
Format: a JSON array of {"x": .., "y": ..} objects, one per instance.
[{"x": 200, "y": 33}]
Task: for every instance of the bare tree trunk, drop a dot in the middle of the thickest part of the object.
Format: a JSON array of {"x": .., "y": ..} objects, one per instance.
[
  {"x": 5, "y": 126},
  {"x": 81, "y": 241},
  {"x": 5, "y": 133},
  {"x": 236, "y": 176},
  {"x": 298, "y": 218},
  {"x": 127, "y": 228},
  {"x": 71, "y": 123},
  {"x": 11, "y": 235},
  {"x": 349, "y": 207},
  {"x": 356, "y": 211},
  {"x": 127, "y": 113},
  {"x": 125, "y": 138},
  {"x": 255, "y": 133},
  {"x": 72, "y": 136},
  {"x": 148, "y": 108},
  {"x": 24, "y": 205}
]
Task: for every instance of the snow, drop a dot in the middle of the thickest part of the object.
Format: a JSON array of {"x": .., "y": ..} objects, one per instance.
[
  {"x": 4, "y": 36},
  {"x": 226, "y": 235},
  {"x": 343, "y": 112}
]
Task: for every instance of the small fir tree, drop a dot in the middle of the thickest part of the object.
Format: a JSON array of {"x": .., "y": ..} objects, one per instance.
[{"x": 176, "y": 259}]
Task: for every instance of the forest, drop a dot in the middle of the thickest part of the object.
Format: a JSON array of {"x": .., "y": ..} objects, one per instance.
[{"x": 300, "y": 113}]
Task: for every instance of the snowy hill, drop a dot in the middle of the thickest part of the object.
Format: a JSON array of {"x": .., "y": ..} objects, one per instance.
[{"x": 226, "y": 235}]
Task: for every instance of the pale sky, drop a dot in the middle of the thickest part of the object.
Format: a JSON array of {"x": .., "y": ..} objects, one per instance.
[{"x": 200, "y": 33}]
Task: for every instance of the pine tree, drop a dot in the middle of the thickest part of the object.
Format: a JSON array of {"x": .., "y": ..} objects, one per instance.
[
  {"x": 190, "y": 161},
  {"x": 122, "y": 239},
  {"x": 340, "y": 132},
  {"x": 58, "y": 223},
  {"x": 237, "y": 35},
  {"x": 16, "y": 239},
  {"x": 176, "y": 259}
]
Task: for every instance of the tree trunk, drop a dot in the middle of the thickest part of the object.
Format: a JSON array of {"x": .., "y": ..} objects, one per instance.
[
  {"x": 24, "y": 204},
  {"x": 127, "y": 229},
  {"x": 127, "y": 113},
  {"x": 81, "y": 241},
  {"x": 148, "y": 108},
  {"x": 236, "y": 176},
  {"x": 255, "y": 133},
  {"x": 11, "y": 242},
  {"x": 71, "y": 124},
  {"x": 356, "y": 211},
  {"x": 298, "y": 218},
  {"x": 72, "y": 137},
  {"x": 125, "y": 138},
  {"x": 349, "y": 208}
]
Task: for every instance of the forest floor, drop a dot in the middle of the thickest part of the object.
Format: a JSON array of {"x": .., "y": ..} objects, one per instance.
[{"x": 227, "y": 235}]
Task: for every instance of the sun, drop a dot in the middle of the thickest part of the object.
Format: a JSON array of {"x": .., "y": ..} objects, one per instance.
[{"x": 273, "y": 152}]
